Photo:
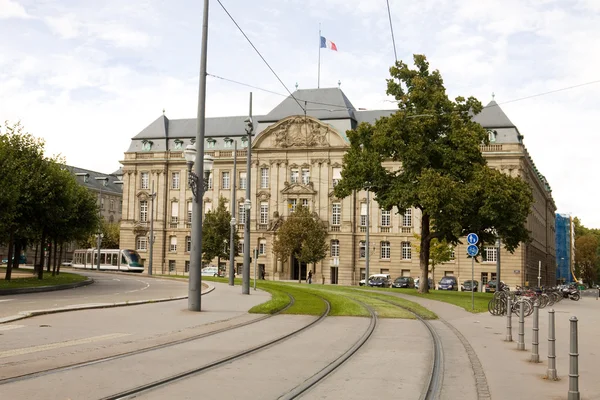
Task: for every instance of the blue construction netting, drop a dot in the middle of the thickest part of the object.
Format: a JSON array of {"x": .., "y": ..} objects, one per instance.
[{"x": 563, "y": 249}]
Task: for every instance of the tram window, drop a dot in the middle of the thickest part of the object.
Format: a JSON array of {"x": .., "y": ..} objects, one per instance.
[
  {"x": 95, "y": 258},
  {"x": 115, "y": 258},
  {"x": 89, "y": 258},
  {"x": 102, "y": 258},
  {"x": 123, "y": 260}
]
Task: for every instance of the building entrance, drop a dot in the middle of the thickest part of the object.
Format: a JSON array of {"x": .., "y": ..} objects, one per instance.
[{"x": 298, "y": 269}]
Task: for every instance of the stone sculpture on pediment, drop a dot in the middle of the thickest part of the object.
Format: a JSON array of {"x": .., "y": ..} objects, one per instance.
[
  {"x": 298, "y": 188},
  {"x": 263, "y": 196},
  {"x": 143, "y": 195},
  {"x": 300, "y": 131}
]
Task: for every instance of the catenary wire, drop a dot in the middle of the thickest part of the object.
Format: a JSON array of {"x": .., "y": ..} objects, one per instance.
[
  {"x": 392, "y": 30},
  {"x": 258, "y": 52}
]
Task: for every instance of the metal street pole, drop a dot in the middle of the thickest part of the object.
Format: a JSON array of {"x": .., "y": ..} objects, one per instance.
[
  {"x": 104, "y": 182},
  {"x": 539, "y": 274},
  {"x": 247, "y": 205},
  {"x": 472, "y": 283},
  {"x": 499, "y": 243},
  {"x": 152, "y": 196},
  {"x": 255, "y": 262},
  {"x": 367, "y": 243},
  {"x": 195, "y": 278},
  {"x": 232, "y": 223}
]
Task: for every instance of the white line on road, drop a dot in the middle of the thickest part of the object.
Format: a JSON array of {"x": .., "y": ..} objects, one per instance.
[
  {"x": 10, "y": 327},
  {"x": 115, "y": 279},
  {"x": 6, "y": 300},
  {"x": 51, "y": 346},
  {"x": 139, "y": 290}
]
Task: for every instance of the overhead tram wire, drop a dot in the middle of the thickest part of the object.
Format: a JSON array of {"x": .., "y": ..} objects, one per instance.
[
  {"x": 258, "y": 52},
  {"x": 392, "y": 30}
]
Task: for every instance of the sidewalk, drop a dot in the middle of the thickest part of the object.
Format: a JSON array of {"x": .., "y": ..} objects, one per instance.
[{"x": 509, "y": 373}]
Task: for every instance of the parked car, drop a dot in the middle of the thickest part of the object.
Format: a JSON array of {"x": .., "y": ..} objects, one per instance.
[
  {"x": 386, "y": 276},
  {"x": 68, "y": 263},
  {"x": 448, "y": 283},
  {"x": 404, "y": 282},
  {"x": 210, "y": 271},
  {"x": 468, "y": 286},
  {"x": 490, "y": 287},
  {"x": 379, "y": 281},
  {"x": 430, "y": 281},
  {"x": 22, "y": 260}
]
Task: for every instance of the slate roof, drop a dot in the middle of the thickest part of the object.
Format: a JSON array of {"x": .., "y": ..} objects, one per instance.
[
  {"x": 492, "y": 116},
  {"x": 95, "y": 184},
  {"x": 186, "y": 128}
]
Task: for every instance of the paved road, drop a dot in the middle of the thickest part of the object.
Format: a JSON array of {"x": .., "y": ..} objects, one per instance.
[{"x": 107, "y": 288}]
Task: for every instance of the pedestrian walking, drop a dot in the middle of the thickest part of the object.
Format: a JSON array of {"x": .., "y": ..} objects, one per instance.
[{"x": 309, "y": 277}]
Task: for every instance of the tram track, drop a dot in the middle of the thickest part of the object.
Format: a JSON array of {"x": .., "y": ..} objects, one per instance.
[{"x": 101, "y": 360}]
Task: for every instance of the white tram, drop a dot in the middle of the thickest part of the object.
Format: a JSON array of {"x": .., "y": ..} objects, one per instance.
[{"x": 110, "y": 259}]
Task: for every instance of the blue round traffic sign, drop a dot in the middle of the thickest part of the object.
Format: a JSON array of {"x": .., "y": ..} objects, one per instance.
[
  {"x": 472, "y": 250},
  {"x": 472, "y": 238}
]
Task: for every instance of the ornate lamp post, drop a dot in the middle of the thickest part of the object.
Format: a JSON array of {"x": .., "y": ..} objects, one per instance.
[{"x": 198, "y": 184}]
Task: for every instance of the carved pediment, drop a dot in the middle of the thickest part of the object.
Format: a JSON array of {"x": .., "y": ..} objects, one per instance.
[
  {"x": 299, "y": 131},
  {"x": 298, "y": 188},
  {"x": 143, "y": 195},
  {"x": 263, "y": 196}
]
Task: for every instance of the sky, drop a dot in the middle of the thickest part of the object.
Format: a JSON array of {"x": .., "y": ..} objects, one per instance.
[{"x": 87, "y": 76}]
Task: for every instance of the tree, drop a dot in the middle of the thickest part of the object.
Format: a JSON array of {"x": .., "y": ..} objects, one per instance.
[
  {"x": 442, "y": 171},
  {"x": 302, "y": 236},
  {"x": 216, "y": 233},
  {"x": 110, "y": 235},
  {"x": 439, "y": 252},
  {"x": 586, "y": 257}
]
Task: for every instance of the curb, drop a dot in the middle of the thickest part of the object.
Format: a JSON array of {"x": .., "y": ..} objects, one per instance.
[
  {"x": 38, "y": 289},
  {"x": 35, "y": 313}
]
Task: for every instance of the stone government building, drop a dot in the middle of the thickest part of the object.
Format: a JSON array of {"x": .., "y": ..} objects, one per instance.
[{"x": 297, "y": 160}]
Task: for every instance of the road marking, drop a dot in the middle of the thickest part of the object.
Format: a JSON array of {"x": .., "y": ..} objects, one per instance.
[
  {"x": 10, "y": 327},
  {"x": 115, "y": 279},
  {"x": 6, "y": 300},
  {"x": 52, "y": 346},
  {"x": 139, "y": 290}
]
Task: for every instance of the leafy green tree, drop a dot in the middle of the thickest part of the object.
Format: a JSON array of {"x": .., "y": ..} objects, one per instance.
[
  {"x": 443, "y": 173},
  {"x": 302, "y": 236},
  {"x": 110, "y": 235},
  {"x": 586, "y": 257},
  {"x": 216, "y": 233}
]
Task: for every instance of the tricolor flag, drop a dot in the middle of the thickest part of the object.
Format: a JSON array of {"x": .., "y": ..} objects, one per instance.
[{"x": 328, "y": 44}]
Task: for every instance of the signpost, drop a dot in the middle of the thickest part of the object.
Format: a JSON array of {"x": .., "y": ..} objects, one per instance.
[{"x": 472, "y": 250}]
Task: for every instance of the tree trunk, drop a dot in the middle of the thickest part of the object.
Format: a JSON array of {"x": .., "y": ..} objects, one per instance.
[
  {"x": 10, "y": 255},
  {"x": 40, "y": 270},
  {"x": 35, "y": 257},
  {"x": 17, "y": 255},
  {"x": 55, "y": 255},
  {"x": 60, "y": 257},
  {"x": 424, "y": 254}
]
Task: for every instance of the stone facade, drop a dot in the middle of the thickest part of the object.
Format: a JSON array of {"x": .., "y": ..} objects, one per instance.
[{"x": 296, "y": 159}]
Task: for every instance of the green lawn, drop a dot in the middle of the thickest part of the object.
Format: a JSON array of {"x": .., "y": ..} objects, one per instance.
[{"x": 32, "y": 281}]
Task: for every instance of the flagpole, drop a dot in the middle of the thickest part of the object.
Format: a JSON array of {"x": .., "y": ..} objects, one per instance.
[{"x": 319, "y": 73}]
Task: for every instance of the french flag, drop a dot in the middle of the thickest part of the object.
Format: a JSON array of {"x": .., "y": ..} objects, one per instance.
[{"x": 328, "y": 44}]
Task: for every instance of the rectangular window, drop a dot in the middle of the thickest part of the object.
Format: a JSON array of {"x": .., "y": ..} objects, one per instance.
[
  {"x": 173, "y": 243},
  {"x": 225, "y": 180},
  {"x": 490, "y": 254},
  {"x": 188, "y": 243},
  {"x": 144, "y": 184},
  {"x": 292, "y": 203},
  {"x": 452, "y": 253},
  {"x": 335, "y": 248},
  {"x": 207, "y": 208},
  {"x": 304, "y": 203},
  {"x": 243, "y": 180},
  {"x": 484, "y": 278},
  {"x": 406, "y": 251},
  {"x": 102, "y": 203},
  {"x": 174, "y": 212},
  {"x": 294, "y": 176},
  {"x": 189, "y": 212},
  {"x": 141, "y": 243},
  {"x": 264, "y": 213},
  {"x": 143, "y": 211},
  {"x": 175, "y": 180},
  {"x": 362, "y": 249},
  {"x": 336, "y": 176},
  {"x": 336, "y": 214},
  {"x": 262, "y": 247},
  {"x": 264, "y": 178},
  {"x": 241, "y": 246},
  {"x": 210, "y": 182},
  {"x": 305, "y": 176},
  {"x": 386, "y": 217},
  {"x": 385, "y": 250},
  {"x": 172, "y": 266},
  {"x": 241, "y": 213},
  {"x": 407, "y": 218},
  {"x": 111, "y": 205},
  {"x": 363, "y": 214},
  {"x": 187, "y": 266},
  {"x": 405, "y": 273}
]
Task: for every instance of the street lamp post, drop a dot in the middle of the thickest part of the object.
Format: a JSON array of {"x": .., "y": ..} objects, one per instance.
[
  {"x": 151, "y": 239},
  {"x": 233, "y": 221},
  {"x": 198, "y": 184},
  {"x": 247, "y": 204},
  {"x": 100, "y": 235}
]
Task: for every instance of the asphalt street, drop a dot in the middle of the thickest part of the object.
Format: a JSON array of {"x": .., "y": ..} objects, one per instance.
[{"x": 107, "y": 288}]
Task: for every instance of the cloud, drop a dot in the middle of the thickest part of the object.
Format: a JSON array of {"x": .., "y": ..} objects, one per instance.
[
  {"x": 12, "y": 9},
  {"x": 65, "y": 26}
]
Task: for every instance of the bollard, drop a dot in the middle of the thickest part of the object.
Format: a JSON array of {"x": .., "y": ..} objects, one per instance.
[
  {"x": 573, "y": 363},
  {"x": 508, "y": 320},
  {"x": 551, "y": 372},
  {"x": 521, "y": 341},
  {"x": 535, "y": 355}
]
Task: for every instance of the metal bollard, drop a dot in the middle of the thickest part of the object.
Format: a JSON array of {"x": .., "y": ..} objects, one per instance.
[
  {"x": 535, "y": 355},
  {"x": 573, "y": 363},
  {"x": 551, "y": 372},
  {"x": 521, "y": 341},
  {"x": 508, "y": 320}
]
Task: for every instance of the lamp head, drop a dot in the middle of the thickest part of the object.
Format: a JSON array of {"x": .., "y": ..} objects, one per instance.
[{"x": 190, "y": 154}]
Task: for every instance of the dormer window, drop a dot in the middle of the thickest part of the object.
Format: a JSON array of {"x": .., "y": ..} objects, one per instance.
[
  {"x": 228, "y": 143},
  {"x": 147, "y": 145},
  {"x": 492, "y": 136},
  {"x": 178, "y": 144},
  {"x": 244, "y": 141},
  {"x": 210, "y": 143}
]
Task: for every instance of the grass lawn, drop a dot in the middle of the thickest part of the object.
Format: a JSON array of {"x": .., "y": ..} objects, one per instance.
[
  {"x": 32, "y": 281},
  {"x": 460, "y": 299}
]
